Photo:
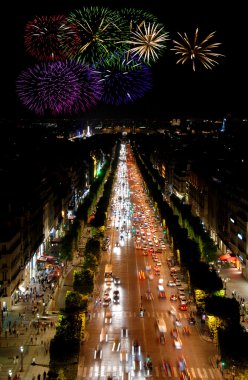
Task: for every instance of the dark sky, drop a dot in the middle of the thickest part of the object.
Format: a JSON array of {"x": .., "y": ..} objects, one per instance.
[{"x": 177, "y": 90}]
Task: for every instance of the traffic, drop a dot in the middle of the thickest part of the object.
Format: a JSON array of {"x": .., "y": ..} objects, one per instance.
[{"x": 143, "y": 309}]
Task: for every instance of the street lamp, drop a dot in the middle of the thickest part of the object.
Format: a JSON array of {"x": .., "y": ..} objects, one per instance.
[
  {"x": 38, "y": 318},
  {"x": 21, "y": 351},
  {"x": 243, "y": 311},
  {"x": 225, "y": 280},
  {"x": 44, "y": 308}
]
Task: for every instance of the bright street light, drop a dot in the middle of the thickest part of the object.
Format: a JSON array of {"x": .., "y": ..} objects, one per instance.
[{"x": 21, "y": 351}]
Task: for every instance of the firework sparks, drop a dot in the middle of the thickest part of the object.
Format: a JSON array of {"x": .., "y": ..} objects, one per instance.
[
  {"x": 99, "y": 29},
  {"x": 202, "y": 52},
  {"x": 124, "y": 79},
  {"x": 149, "y": 42},
  {"x": 43, "y": 37},
  {"x": 136, "y": 17},
  {"x": 61, "y": 87}
]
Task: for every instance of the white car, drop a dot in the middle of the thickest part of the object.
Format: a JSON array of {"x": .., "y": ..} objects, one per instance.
[
  {"x": 178, "y": 343},
  {"x": 171, "y": 283}
]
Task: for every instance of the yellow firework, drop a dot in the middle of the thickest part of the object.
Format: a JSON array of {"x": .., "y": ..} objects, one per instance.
[
  {"x": 149, "y": 41},
  {"x": 202, "y": 52}
]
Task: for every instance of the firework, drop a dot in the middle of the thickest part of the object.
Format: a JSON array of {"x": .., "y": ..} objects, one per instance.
[
  {"x": 99, "y": 29},
  {"x": 61, "y": 87},
  {"x": 136, "y": 17},
  {"x": 149, "y": 41},
  {"x": 202, "y": 52},
  {"x": 44, "y": 35},
  {"x": 124, "y": 80}
]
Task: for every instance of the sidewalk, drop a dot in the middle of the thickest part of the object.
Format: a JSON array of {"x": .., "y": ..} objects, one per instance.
[
  {"x": 32, "y": 331},
  {"x": 235, "y": 282}
]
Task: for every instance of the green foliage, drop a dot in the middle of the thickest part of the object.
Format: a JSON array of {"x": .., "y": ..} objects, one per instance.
[
  {"x": 202, "y": 278},
  {"x": 83, "y": 281},
  {"x": 75, "y": 301},
  {"x": 225, "y": 308},
  {"x": 91, "y": 262}
]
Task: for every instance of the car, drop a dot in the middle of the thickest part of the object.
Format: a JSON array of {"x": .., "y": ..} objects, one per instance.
[
  {"x": 136, "y": 356},
  {"x": 174, "y": 333},
  {"x": 149, "y": 295},
  {"x": 178, "y": 323},
  {"x": 191, "y": 321},
  {"x": 171, "y": 283},
  {"x": 136, "y": 348},
  {"x": 183, "y": 306},
  {"x": 106, "y": 301},
  {"x": 178, "y": 283},
  {"x": 182, "y": 364},
  {"x": 177, "y": 343},
  {"x": 117, "y": 280},
  {"x": 185, "y": 375},
  {"x": 98, "y": 352},
  {"x": 183, "y": 298},
  {"x": 168, "y": 368},
  {"x": 116, "y": 299},
  {"x": 124, "y": 332}
]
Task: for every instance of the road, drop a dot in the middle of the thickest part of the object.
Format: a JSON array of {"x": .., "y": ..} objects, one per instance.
[{"x": 130, "y": 264}]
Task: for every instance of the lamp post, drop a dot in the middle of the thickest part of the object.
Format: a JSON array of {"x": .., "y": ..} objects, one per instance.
[
  {"x": 243, "y": 311},
  {"x": 225, "y": 280},
  {"x": 38, "y": 318},
  {"x": 21, "y": 351},
  {"x": 44, "y": 308}
]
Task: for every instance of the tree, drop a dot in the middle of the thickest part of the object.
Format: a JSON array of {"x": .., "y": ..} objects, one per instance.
[{"x": 83, "y": 281}]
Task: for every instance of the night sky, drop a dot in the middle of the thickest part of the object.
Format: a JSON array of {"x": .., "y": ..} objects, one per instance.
[{"x": 177, "y": 90}]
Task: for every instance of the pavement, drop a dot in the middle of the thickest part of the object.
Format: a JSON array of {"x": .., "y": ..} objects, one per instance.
[{"x": 33, "y": 330}]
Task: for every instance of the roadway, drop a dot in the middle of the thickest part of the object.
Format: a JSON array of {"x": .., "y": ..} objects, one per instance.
[{"x": 128, "y": 262}]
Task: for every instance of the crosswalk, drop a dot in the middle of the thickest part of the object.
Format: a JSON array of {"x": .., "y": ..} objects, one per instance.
[
  {"x": 100, "y": 372},
  {"x": 134, "y": 314}
]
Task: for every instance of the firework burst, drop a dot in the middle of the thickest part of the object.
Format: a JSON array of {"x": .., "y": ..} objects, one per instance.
[
  {"x": 44, "y": 35},
  {"x": 202, "y": 51},
  {"x": 136, "y": 17},
  {"x": 149, "y": 42},
  {"x": 61, "y": 87},
  {"x": 99, "y": 29},
  {"x": 124, "y": 80}
]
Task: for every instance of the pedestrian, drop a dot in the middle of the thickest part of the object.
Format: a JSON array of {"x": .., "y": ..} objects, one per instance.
[
  {"x": 38, "y": 377},
  {"x": 44, "y": 375}
]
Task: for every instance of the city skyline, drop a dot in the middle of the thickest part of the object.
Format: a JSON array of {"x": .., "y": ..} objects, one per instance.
[{"x": 177, "y": 90}]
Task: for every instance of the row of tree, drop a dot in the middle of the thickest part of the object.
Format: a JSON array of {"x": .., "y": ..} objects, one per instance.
[{"x": 70, "y": 330}]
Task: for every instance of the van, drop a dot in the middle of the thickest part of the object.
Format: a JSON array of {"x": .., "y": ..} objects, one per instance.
[
  {"x": 108, "y": 317},
  {"x": 161, "y": 292},
  {"x": 162, "y": 328}
]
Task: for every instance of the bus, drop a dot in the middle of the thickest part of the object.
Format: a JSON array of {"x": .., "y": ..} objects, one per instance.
[
  {"x": 108, "y": 272},
  {"x": 162, "y": 329}
]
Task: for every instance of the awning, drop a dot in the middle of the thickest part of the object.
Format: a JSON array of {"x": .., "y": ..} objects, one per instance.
[{"x": 228, "y": 257}]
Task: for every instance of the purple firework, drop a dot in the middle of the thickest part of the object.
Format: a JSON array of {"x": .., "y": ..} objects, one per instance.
[
  {"x": 44, "y": 35},
  {"x": 62, "y": 87},
  {"x": 124, "y": 80}
]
